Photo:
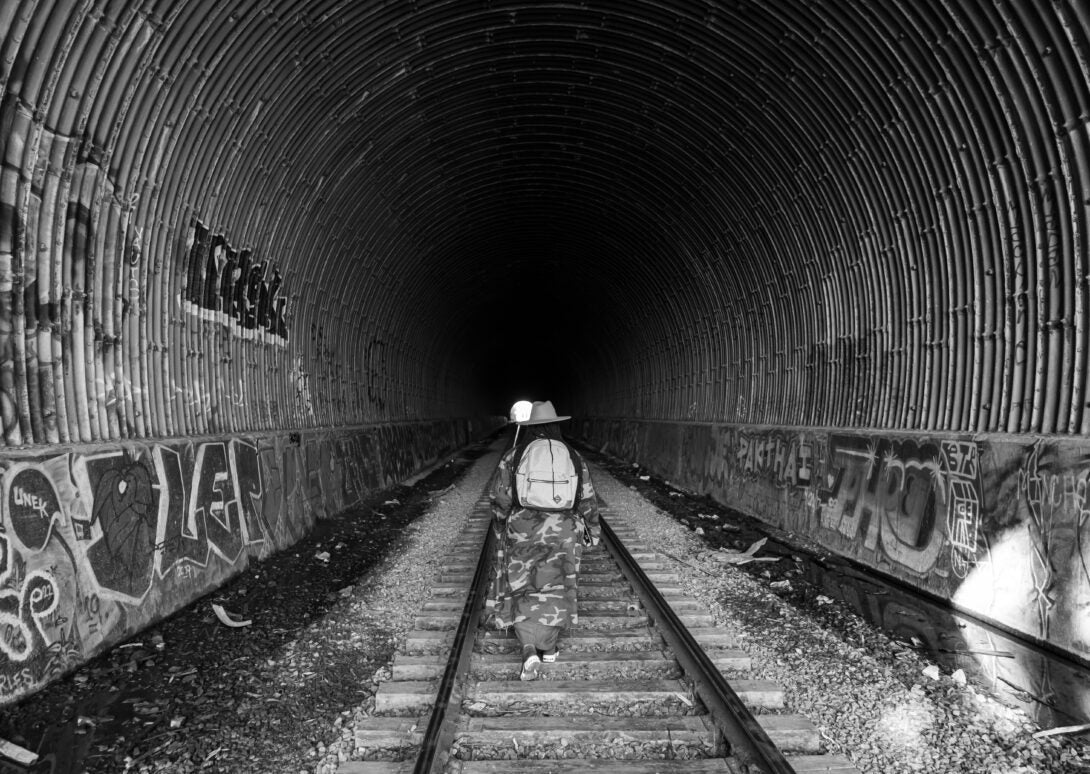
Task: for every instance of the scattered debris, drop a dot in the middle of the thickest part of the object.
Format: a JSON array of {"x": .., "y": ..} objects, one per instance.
[
  {"x": 784, "y": 584},
  {"x": 958, "y": 676},
  {"x": 395, "y": 501},
  {"x": 158, "y": 641},
  {"x": 824, "y": 600},
  {"x": 1063, "y": 730},
  {"x": 17, "y": 753},
  {"x": 226, "y": 619},
  {"x": 322, "y": 556},
  {"x": 734, "y": 557},
  {"x": 645, "y": 478},
  {"x": 699, "y": 530},
  {"x": 932, "y": 672}
]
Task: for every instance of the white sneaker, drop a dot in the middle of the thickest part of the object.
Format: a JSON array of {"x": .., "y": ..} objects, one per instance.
[
  {"x": 531, "y": 668},
  {"x": 550, "y": 658}
]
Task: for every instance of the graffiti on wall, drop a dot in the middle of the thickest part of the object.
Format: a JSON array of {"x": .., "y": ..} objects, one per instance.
[
  {"x": 232, "y": 288},
  {"x": 1052, "y": 492},
  {"x": 911, "y": 503},
  {"x": 94, "y": 547},
  {"x": 1002, "y": 528},
  {"x": 782, "y": 459}
]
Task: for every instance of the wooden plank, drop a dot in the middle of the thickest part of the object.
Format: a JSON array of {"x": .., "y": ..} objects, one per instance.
[
  {"x": 500, "y": 691},
  {"x": 819, "y": 764},
  {"x": 791, "y": 733},
  {"x": 767, "y": 694},
  {"x": 594, "y": 765},
  {"x": 376, "y": 767},
  {"x": 402, "y": 696},
  {"x": 713, "y": 637},
  {"x": 390, "y": 732},
  {"x": 558, "y": 726},
  {"x": 581, "y": 641}
]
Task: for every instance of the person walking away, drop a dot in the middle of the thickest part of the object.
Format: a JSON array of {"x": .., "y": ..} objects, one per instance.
[{"x": 544, "y": 512}]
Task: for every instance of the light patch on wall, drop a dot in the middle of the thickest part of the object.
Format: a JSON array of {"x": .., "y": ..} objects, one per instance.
[{"x": 1009, "y": 586}]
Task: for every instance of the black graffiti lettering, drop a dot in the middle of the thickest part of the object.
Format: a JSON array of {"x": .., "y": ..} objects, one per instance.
[
  {"x": 268, "y": 307},
  {"x": 226, "y": 290},
  {"x": 254, "y": 289},
  {"x": 214, "y": 263},
  {"x": 198, "y": 249},
  {"x": 242, "y": 278},
  {"x": 246, "y": 292}
]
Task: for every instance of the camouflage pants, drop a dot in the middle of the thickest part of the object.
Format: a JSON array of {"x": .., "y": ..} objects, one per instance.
[{"x": 535, "y": 574}]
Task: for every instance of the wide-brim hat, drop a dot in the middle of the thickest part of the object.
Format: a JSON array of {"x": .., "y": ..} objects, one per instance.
[{"x": 541, "y": 413}]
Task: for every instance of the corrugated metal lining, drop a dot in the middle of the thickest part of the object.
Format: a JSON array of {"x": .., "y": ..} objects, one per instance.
[{"x": 833, "y": 213}]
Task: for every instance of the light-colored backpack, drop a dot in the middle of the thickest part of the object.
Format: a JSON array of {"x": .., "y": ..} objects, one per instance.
[{"x": 547, "y": 476}]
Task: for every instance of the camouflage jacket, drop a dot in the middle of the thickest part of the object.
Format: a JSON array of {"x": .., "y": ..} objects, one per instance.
[{"x": 536, "y": 567}]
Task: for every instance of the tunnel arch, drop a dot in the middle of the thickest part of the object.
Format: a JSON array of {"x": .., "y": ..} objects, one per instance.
[{"x": 346, "y": 142}]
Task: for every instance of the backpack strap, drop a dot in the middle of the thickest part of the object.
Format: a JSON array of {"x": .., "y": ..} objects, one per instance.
[
  {"x": 578, "y": 462},
  {"x": 519, "y": 451}
]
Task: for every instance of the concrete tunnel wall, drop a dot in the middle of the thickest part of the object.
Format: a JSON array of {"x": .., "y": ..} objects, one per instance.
[{"x": 823, "y": 260}]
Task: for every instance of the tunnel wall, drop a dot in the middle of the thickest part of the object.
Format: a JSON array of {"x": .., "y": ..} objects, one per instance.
[
  {"x": 997, "y": 525},
  {"x": 97, "y": 543}
]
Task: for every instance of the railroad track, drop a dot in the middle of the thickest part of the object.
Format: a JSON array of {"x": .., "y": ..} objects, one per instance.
[{"x": 638, "y": 688}]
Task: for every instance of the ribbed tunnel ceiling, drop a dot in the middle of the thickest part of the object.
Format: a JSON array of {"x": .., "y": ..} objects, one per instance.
[{"x": 808, "y": 213}]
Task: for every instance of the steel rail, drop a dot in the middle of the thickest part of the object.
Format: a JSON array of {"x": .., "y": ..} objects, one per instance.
[
  {"x": 436, "y": 744},
  {"x": 747, "y": 740}
]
